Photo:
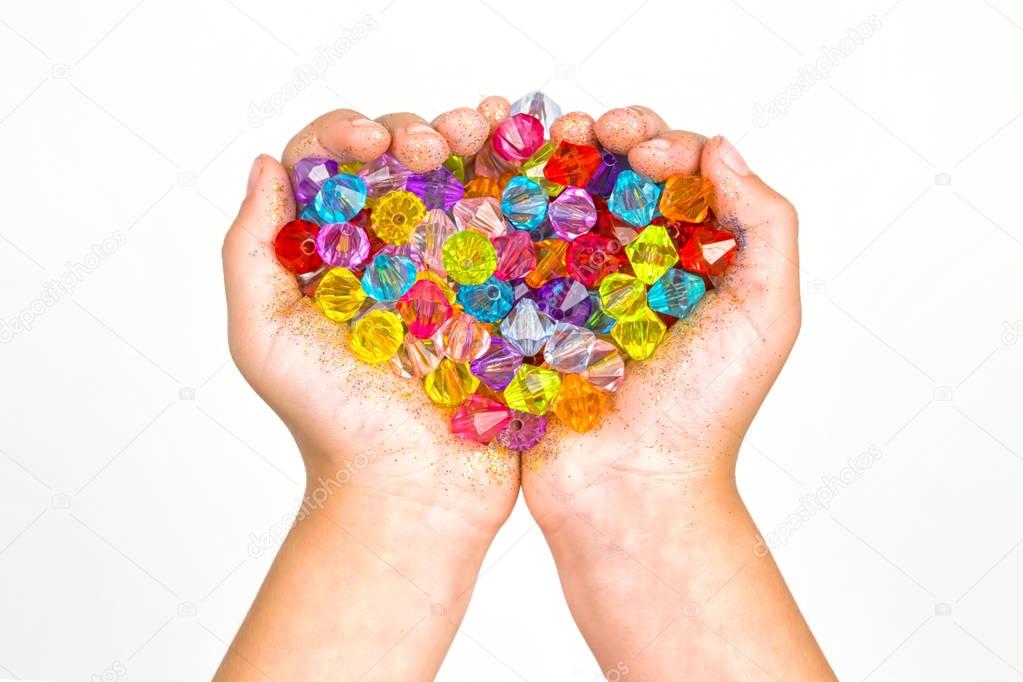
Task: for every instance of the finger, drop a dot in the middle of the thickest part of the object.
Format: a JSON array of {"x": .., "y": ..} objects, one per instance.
[
  {"x": 575, "y": 127},
  {"x": 619, "y": 130},
  {"x": 495, "y": 109},
  {"x": 464, "y": 129},
  {"x": 675, "y": 152},
  {"x": 255, "y": 282},
  {"x": 343, "y": 134},
  {"x": 415, "y": 144}
]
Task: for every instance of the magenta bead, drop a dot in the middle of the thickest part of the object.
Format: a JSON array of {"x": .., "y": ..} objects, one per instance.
[
  {"x": 342, "y": 245},
  {"x": 518, "y": 137},
  {"x": 523, "y": 431},
  {"x": 572, "y": 214}
]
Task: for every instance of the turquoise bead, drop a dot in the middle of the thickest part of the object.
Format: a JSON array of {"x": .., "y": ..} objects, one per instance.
[
  {"x": 524, "y": 203},
  {"x": 676, "y": 293},
  {"x": 388, "y": 277},
  {"x": 634, "y": 198},
  {"x": 309, "y": 213},
  {"x": 487, "y": 302},
  {"x": 340, "y": 198}
]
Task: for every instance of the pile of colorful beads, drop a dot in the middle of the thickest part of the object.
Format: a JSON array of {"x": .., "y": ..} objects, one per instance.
[{"x": 514, "y": 284}]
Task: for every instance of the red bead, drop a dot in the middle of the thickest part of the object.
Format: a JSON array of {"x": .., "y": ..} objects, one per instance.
[
  {"x": 592, "y": 257},
  {"x": 706, "y": 251},
  {"x": 295, "y": 246},
  {"x": 572, "y": 164}
]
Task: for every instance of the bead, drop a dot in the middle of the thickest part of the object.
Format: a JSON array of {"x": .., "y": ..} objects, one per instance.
[
  {"x": 634, "y": 198},
  {"x": 487, "y": 302},
  {"x": 469, "y": 257},
  {"x": 482, "y": 186},
  {"x": 396, "y": 215},
  {"x": 376, "y": 336},
  {"x": 622, "y": 296},
  {"x": 457, "y": 165},
  {"x": 599, "y": 322},
  {"x": 706, "y": 251},
  {"x": 527, "y": 328},
  {"x": 592, "y": 257},
  {"x": 524, "y": 203},
  {"x": 480, "y": 419},
  {"x": 532, "y": 389},
  {"x": 385, "y": 174},
  {"x": 676, "y": 293},
  {"x": 342, "y": 245},
  {"x": 340, "y": 198},
  {"x": 295, "y": 247},
  {"x": 572, "y": 164},
  {"x": 423, "y": 308},
  {"x": 607, "y": 367},
  {"x": 524, "y": 430},
  {"x": 568, "y": 349},
  {"x": 539, "y": 106},
  {"x": 443, "y": 283},
  {"x": 651, "y": 254},
  {"x": 639, "y": 335},
  {"x": 415, "y": 358},
  {"x": 550, "y": 262},
  {"x": 463, "y": 338},
  {"x": 437, "y": 188},
  {"x": 497, "y": 365},
  {"x": 450, "y": 384},
  {"x": 339, "y": 294},
  {"x": 482, "y": 214},
  {"x": 533, "y": 168},
  {"x": 564, "y": 300},
  {"x": 578, "y": 404},
  {"x": 602, "y": 183},
  {"x": 387, "y": 277},
  {"x": 429, "y": 236},
  {"x": 309, "y": 175},
  {"x": 686, "y": 197},
  {"x": 572, "y": 214},
  {"x": 352, "y": 167},
  {"x": 517, "y": 137},
  {"x": 516, "y": 256},
  {"x": 308, "y": 213}
]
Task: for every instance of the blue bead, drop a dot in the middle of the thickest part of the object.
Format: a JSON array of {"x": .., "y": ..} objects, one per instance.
[
  {"x": 309, "y": 213},
  {"x": 676, "y": 293},
  {"x": 388, "y": 277},
  {"x": 340, "y": 198},
  {"x": 524, "y": 203},
  {"x": 634, "y": 198},
  {"x": 487, "y": 302}
]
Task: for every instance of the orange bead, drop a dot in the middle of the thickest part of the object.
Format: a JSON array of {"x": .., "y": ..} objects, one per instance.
[
  {"x": 687, "y": 198},
  {"x": 550, "y": 262},
  {"x": 578, "y": 403},
  {"x": 482, "y": 186}
]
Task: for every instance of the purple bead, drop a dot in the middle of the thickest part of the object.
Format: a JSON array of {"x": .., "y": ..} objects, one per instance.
[
  {"x": 520, "y": 289},
  {"x": 404, "y": 250},
  {"x": 342, "y": 245},
  {"x": 564, "y": 300},
  {"x": 310, "y": 174},
  {"x": 438, "y": 188},
  {"x": 498, "y": 364},
  {"x": 572, "y": 214},
  {"x": 382, "y": 175},
  {"x": 523, "y": 431},
  {"x": 603, "y": 181}
]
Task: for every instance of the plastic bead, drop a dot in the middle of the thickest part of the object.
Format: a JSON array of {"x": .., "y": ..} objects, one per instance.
[
  {"x": 339, "y": 294},
  {"x": 469, "y": 257},
  {"x": 376, "y": 336}
]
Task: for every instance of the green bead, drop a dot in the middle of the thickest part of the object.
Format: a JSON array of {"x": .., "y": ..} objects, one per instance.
[
  {"x": 533, "y": 167},
  {"x": 652, "y": 253},
  {"x": 532, "y": 389},
  {"x": 339, "y": 294},
  {"x": 469, "y": 257}
]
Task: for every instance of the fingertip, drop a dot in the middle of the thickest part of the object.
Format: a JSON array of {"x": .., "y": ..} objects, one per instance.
[
  {"x": 494, "y": 109},
  {"x": 575, "y": 127},
  {"x": 619, "y": 130},
  {"x": 675, "y": 152},
  {"x": 464, "y": 129},
  {"x": 356, "y": 138}
]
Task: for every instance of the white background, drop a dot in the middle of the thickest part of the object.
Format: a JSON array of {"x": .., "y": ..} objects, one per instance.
[{"x": 138, "y": 471}]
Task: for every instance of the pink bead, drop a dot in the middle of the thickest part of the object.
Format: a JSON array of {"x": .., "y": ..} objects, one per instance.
[
  {"x": 572, "y": 214},
  {"x": 517, "y": 137},
  {"x": 482, "y": 214},
  {"x": 480, "y": 419},
  {"x": 424, "y": 308},
  {"x": 463, "y": 338},
  {"x": 516, "y": 256}
]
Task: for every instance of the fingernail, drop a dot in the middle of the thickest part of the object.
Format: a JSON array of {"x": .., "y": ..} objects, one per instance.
[
  {"x": 254, "y": 176},
  {"x": 732, "y": 158},
  {"x": 658, "y": 143},
  {"x": 363, "y": 123},
  {"x": 420, "y": 128}
]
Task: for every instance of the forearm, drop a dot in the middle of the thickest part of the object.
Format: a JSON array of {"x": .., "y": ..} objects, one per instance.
[
  {"x": 699, "y": 599},
  {"x": 362, "y": 588}
]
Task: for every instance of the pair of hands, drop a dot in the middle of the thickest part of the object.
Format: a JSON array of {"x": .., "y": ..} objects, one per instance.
[{"x": 657, "y": 555}]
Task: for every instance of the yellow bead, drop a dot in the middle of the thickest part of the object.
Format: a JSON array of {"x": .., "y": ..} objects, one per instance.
[
  {"x": 376, "y": 336},
  {"x": 450, "y": 384},
  {"x": 578, "y": 403},
  {"x": 469, "y": 257},
  {"x": 351, "y": 168},
  {"x": 622, "y": 296},
  {"x": 533, "y": 167},
  {"x": 340, "y": 294},
  {"x": 532, "y": 389},
  {"x": 639, "y": 336},
  {"x": 652, "y": 253},
  {"x": 686, "y": 198},
  {"x": 396, "y": 215}
]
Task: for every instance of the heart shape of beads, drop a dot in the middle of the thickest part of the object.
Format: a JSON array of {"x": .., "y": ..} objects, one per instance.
[{"x": 514, "y": 285}]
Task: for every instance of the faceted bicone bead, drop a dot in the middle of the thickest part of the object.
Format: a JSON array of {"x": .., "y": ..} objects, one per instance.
[
  {"x": 490, "y": 165},
  {"x": 517, "y": 137},
  {"x": 340, "y": 198},
  {"x": 602, "y": 183},
  {"x": 437, "y": 188},
  {"x": 396, "y": 215},
  {"x": 487, "y": 302},
  {"x": 568, "y": 349},
  {"x": 611, "y": 226},
  {"x": 572, "y": 214},
  {"x": 463, "y": 338},
  {"x": 339, "y": 294},
  {"x": 607, "y": 367},
  {"x": 387, "y": 277},
  {"x": 539, "y": 106},
  {"x": 622, "y": 296},
  {"x": 376, "y": 336},
  {"x": 578, "y": 404},
  {"x": 676, "y": 293},
  {"x": 309, "y": 175},
  {"x": 564, "y": 300},
  {"x": 550, "y": 262},
  {"x": 599, "y": 322},
  {"x": 458, "y": 167},
  {"x": 469, "y": 257},
  {"x": 524, "y": 203},
  {"x": 403, "y": 250},
  {"x": 415, "y": 358},
  {"x": 527, "y": 328},
  {"x": 651, "y": 254},
  {"x": 634, "y": 198},
  {"x": 497, "y": 365},
  {"x": 592, "y": 257},
  {"x": 308, "y": 213},
  {"x": 423, "y": 308},
  {"x": 480, "y": 419},
  {"x": 342, "y": 245},
  {"x": 686, "y": 197},
  {"x": 482, "y": 214},
  {"x": 639, "y": 335},
  {"x": 572, "y": 164},
  {"x": 482, "y": 186},
  {"x": 385, "y": 174},
  {"x": 533, "y": 167},
  {"x": 523, "y": 431},
  {"x": 515, "y": 255},
  {"x": 707, "y": 252},
  {"x": 532, "y": 389},
  {"x": 295, "y": 247},
  {"x": 450, "y": 384},
  {"x": 429, "y": 236},
  {"x": 443, "y": 283}
]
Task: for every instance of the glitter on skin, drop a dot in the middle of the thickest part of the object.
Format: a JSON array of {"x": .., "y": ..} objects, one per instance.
[{"x": 575, "y": 127}]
